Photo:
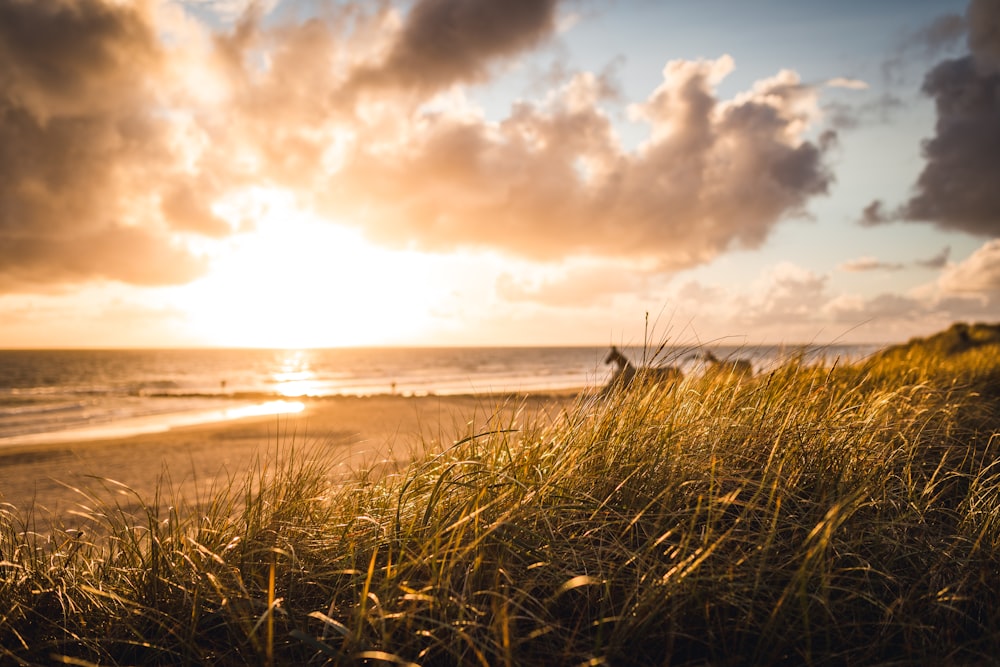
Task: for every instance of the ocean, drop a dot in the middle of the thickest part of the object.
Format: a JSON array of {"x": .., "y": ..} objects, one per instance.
[{"x": 51, "y": 395}]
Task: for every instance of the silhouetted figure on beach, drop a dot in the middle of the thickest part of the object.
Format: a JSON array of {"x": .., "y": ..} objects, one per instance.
[
  {"x": 738, "y": 368},
  {"x": 626, "y": 372}
]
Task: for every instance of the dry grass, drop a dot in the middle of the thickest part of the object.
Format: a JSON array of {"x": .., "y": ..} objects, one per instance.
[{"x": 815, "y": 515}]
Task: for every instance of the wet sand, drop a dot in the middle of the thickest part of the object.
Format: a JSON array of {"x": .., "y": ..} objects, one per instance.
[{"x": 61, "y": 481}]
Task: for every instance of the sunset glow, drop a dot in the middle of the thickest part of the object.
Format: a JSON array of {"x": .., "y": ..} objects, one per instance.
[
  {"x": 299, "y": 281},
  {"x": 466, "y": 172}
]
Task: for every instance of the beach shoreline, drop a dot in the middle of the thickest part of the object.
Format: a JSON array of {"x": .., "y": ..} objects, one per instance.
[{"x": 63, "y": 479}]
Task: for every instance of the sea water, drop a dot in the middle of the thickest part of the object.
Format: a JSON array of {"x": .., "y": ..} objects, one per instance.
[{"x": 61, "y": 394}]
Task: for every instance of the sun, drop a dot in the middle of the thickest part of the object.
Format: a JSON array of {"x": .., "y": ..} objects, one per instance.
[{"x": 297, "y": 281}]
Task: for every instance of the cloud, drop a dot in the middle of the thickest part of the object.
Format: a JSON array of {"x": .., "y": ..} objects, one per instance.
[
  {"x": 869, "y": 264},
  {"x": 443, "y": 42},
  {"x": 582, "y": 286},
  {"x": 938, "y": 261},
  {"x": 296, "y": 98},
  {"x": 844, "y": 116},
  {"x": 553, "y": 179},
  {"x": 124, "y": 123},
  {"x": 957, "y": 187},
  {"x": 875, "y": 214},
  {"x": 984, "y": 33},
  {"x": 123, "y": 126},
  {"x": 793, "y": 303},
  {"x": 83, "y": 147},
  {"x": 697, "y": 292},
  {"x": 783, "y": 294},
  {"x": 968, "y": 290},
  {"x": 116, "y": 253},
  {"x": 921, "y": 46},
  {"x": 786, "y": 302},
  {"x": 944, "y": 32},
  {"x": 887, "y": 307},
  {"x": 787, "y": 291},
  {"x": 850, "y": 84},
  {"x": 791, "y": 297},
  {"x": 978, "y": 274}
]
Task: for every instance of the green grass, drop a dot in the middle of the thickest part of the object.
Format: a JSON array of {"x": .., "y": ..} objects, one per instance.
[{"x": 816, "y": 514}]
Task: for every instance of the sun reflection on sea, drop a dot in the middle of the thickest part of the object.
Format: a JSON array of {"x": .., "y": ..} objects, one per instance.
[{"x": 295, "y": 377}]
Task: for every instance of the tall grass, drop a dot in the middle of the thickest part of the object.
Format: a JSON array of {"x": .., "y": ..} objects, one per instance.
[{"x": 817, "y": 515}]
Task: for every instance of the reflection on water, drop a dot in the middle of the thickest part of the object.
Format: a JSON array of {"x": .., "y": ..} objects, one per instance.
[{"x": 294, "y": 377}]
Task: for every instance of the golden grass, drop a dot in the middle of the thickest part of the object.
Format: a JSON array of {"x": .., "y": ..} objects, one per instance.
[{"x": 818, "y": 514}]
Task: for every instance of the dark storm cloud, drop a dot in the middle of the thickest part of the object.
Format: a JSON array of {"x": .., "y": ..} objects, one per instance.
[
  {"x": 455, "y": 41},
  {"x": 957, "y": 189},
  {"x": 958, "y": 186},
  {"x": 80, "y": 144},
  {"x": 65, "y": 57},
  {"x": 984, "y": 33}
]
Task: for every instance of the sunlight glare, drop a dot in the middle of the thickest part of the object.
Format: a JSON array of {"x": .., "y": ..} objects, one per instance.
[
  {"x": 296, "y": 378},
  {"x": 297, "y": 281},
  {"x": 278, "y": 407}
]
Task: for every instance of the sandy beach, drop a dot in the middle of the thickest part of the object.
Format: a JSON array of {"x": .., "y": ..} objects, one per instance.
[{"x": 60, "y": 480}]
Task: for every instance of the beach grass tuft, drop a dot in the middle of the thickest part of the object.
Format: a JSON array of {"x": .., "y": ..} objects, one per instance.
[{"x": 820, "y": 513}]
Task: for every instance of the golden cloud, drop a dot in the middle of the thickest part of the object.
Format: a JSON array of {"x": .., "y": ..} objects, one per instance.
[{"x": 123, "y": 125}]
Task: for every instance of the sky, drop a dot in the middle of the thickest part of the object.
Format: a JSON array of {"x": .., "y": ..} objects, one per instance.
[{"x": 286, "y": 173}]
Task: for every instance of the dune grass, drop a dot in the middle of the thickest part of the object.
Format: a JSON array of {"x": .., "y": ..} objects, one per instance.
[{"x": 816, "y": 514}]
